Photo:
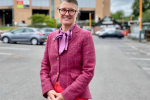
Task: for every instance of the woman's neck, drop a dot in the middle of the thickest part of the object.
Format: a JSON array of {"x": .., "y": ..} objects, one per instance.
[{"x": 65, "y": 28}]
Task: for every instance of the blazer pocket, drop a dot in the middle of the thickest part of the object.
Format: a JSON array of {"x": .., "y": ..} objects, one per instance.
[{"x": 74, "y": 75}]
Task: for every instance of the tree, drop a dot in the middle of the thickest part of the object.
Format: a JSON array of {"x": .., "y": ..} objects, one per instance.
[
  {"x": 146, "y": 16},
  {"x": 118, "y": 15},
  {"x": 135, "y": 7}
]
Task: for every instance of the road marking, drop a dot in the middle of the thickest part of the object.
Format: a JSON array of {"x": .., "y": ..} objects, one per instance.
[
  {"x": 146, "y": 68},
  {"x": 135, "y": 48},
  {"x": 14, "y": 48},
  {"x": 6, "y": 54},
  {"x": 133, "y": 53},
  {"x": 140, "y": 58}
]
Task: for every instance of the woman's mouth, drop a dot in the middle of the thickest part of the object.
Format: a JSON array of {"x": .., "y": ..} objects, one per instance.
[{"x": 66, "y": 19}]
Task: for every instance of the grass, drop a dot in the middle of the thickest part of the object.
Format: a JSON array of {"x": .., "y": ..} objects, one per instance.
[{"x": 6, "y": 28}]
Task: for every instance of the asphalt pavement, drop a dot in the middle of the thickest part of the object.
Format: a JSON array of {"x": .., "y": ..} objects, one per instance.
[{"x": 122, "y": 70}]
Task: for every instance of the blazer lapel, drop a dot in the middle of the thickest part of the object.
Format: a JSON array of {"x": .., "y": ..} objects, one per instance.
[
  {"x": 74, "y": 33},
  {"x": 56, "y": 43}
]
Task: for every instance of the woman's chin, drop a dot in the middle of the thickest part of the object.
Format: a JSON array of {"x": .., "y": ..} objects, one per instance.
[{"x": 67, "y": 23}]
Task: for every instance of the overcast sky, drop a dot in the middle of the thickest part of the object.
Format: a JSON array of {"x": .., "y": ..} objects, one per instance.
[{"x": 124, "y": 5}]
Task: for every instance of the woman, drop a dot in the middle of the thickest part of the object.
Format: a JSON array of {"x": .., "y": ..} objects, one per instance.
[{"x": 69, "y": 58}]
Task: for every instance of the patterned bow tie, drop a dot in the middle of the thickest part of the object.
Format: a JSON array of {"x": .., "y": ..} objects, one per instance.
[{"x": 63, "y": 39}]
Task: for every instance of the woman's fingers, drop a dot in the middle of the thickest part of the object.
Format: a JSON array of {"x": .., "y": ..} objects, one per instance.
[
  {"x": 52, "y": 97},
  {"x": 49, "y": 98}
]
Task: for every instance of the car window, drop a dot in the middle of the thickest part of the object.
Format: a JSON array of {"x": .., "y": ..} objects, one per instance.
[
  {"x": 28, "y": 30},
  {"x": 111, "y": 32},
  {"x": 40, "y": 30},
  {"x": 18, "y": 31},
  {"x": 48, "y": 30}
]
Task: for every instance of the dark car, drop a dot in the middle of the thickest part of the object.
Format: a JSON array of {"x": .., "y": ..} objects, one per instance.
[
  {"x": 32, "y": 35},
  {"x": 117, "y": 33}
]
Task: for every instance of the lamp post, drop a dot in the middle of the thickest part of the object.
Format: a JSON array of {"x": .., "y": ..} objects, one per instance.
[
  {"x": 90, "y": 19},
  {"x": 140, "y": 20}
]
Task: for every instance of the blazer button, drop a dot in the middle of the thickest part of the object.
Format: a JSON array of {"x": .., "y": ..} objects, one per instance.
[
  {"x": 57, "y": 73},
  {"x": 58, "y": 58}
]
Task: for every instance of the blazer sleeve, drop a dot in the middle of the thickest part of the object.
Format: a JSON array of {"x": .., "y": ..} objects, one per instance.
[
  {"x": 44, "y": 72},
  {"x": 88, "y": 54}
]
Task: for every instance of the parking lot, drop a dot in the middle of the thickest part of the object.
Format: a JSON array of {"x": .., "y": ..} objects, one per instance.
[{"x": 122, "y": 70}]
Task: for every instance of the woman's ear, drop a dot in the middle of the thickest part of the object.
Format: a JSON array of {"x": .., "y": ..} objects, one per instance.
[{"x": 77, "y": 13}]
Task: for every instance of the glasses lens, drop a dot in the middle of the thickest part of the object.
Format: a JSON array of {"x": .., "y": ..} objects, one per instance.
[
  {"x": 72, "y": 11},
  {"x": 63, "y": 11}
]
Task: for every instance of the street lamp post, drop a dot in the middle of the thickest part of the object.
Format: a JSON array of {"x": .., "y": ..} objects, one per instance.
[
  {"x": 140, "y": 19},
  {"x": 90, "y": 19}
]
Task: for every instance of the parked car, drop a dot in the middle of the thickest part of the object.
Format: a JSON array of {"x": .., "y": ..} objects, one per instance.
[
  {"x": 49, "y": 30},
  {"x": 87, "y": 28},
  {"x": 104, "y": 30},
  {"x": 1, "y": 32},
  {"x": 32, "y": 35},
  {"x": 117, "y": 33}
]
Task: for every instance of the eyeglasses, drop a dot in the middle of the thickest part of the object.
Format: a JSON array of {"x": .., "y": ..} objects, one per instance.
[{"x": 71, "y": 12}]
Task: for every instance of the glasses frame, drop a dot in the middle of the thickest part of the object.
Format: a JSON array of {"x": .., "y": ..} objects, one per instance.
[{"x": 67, "y": 11}]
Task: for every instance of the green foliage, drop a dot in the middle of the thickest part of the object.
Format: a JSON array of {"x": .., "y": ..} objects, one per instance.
[
  {"x": 135, "y": 6},
  {"x": 59, "y": 25},
  {"x": 146, "y": 16},
  {"x": 93, "y": 22},
  {"x": 118, "y": 15},
  {"x": 6, "y": 28},
  {"x": 41, "y": 20},
  {"x": 37, "y": 18}
]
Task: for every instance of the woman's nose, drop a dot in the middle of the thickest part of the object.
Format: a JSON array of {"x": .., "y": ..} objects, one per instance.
[{"x": 67, "y": 13}]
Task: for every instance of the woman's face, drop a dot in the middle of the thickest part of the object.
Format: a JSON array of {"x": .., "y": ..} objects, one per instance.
[{"x": 67, "y": 13}]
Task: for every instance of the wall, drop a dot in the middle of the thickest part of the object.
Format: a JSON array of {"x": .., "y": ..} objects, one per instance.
[
  {"x": 22, "y": 14},
  {"x": 106, "y": 8}
]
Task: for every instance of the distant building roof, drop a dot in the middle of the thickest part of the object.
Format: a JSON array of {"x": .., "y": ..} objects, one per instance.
[{"x": 107, "y": 21}]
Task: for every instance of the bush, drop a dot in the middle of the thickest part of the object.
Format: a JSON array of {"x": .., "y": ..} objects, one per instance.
[{"x": 38, "y": 20}]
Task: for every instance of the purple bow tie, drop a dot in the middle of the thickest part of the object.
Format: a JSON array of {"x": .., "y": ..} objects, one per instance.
[{"x": 63, "y": 39}]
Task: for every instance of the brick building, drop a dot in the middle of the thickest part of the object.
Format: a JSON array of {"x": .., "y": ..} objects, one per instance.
[{"x": 20, "y": 10}]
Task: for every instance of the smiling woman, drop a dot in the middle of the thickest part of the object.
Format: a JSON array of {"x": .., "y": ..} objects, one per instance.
[{"x": 69, "y": 58}]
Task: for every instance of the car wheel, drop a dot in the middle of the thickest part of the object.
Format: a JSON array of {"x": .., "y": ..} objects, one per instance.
[
  {"x": 15, "y": 42},
  {"x": 6, "y": 40},
  {"x": 34, "y": 41},
  {"x": 103, "y": 37},
  {"x": 119, "y": 37},
  {"x": 41, "y": 43}
]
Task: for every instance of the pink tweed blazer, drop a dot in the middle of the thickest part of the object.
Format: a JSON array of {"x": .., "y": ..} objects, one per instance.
[{"x": 73, "y": 69}]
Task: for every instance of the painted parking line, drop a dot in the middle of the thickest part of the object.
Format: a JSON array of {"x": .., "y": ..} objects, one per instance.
[
  {"x": 137, "y": 49},
  {"x": 131, "y": 53},
  {"x": 146, "y": 68},
  {"x": 140, "y": 59},
  {"x": 14, "y": 48},
  {"x": 6, "y": 54}
]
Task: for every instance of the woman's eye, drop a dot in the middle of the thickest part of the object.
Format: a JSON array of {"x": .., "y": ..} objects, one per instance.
[
  {"x": 72, "y": 10},
  {"x": 63, "y": 9}
]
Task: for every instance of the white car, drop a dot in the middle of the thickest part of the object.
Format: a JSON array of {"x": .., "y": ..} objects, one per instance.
[{"x": 102, "y": 31}]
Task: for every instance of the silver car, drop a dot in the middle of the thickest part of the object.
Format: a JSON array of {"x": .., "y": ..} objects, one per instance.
[
  {"x": 33, "y": 35},
  {"x": 48, "y": 30}
]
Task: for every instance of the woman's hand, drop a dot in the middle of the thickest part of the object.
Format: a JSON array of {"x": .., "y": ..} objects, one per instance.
[
  {"x": 51, "y": 95},
  {"x": 59, "y": 96}
]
